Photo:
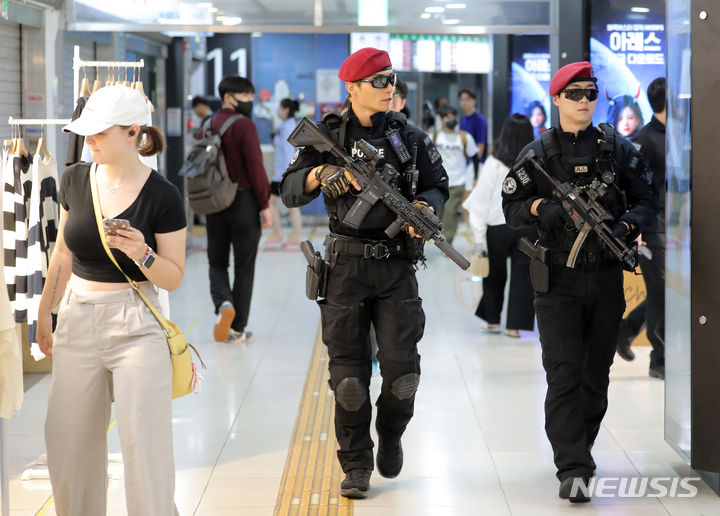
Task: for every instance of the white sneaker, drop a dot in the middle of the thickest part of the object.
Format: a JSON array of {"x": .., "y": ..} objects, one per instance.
[{"x": 239, "y": 337}]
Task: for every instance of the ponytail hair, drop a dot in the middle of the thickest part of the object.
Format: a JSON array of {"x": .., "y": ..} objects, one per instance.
[
  {"x": 291, "y": 105},
  {"x": 153, "y": 143}
]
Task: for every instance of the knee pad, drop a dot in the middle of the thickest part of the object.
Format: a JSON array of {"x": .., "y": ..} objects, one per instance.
[
  {"x": 351, "y": 394},
  {"x": 405, "y": 387}
]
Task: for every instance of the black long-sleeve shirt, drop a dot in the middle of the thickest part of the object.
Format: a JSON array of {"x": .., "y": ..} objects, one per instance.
[
  {"x": 632, "y": 176},
  {"x": 651, "y": 139}
]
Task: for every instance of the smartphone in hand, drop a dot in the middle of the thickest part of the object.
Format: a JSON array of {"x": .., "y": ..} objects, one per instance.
[{"x": 112, "y": 225}]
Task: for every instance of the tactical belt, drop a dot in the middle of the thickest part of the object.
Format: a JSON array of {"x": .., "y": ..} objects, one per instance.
[
  {"x": 377, "y": 249},
  {"x": 586, "y": 262}
]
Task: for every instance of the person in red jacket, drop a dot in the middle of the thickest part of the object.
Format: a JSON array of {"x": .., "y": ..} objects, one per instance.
[{"x": 239, "y": 224}]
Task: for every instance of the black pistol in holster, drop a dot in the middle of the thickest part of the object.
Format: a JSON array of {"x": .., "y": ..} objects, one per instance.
[
  {"x": 316, "y": 274},
  {"x": 539, "y": 270}
]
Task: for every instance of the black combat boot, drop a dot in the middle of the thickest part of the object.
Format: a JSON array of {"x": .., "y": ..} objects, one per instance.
[
  {"x": 624, "y": 345},
  {"x": 571, "y": 489},
  {"x": 389, "y": 458},
  {"x": 356, "y": 483}
]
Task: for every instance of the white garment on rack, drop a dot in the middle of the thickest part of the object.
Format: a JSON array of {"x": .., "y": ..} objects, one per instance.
[{"x": 43, "y": 223}]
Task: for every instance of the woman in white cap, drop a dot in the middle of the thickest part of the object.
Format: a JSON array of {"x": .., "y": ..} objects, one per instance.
[{"x": 107, "y": 346}]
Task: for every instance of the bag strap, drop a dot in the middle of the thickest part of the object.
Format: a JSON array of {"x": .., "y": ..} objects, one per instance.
[
  {"x": 169, "y": 331},
  {"x": 230, "y": 121}
]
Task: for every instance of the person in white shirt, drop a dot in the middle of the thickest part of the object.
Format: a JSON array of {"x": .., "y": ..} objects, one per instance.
[
  {"x": 492, "y": 234},
  {"x": 455, "y": 146}
]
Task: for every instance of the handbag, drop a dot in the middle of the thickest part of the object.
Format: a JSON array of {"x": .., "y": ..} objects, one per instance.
[
  {"x": 479, "y": 263},
  {"x": 186, "y": 378}
]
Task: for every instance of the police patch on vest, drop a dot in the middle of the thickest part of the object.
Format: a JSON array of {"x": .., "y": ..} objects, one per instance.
[
  {"x": 509, "y": 186},
  {"x": 432, "y": 152},
  {"x": 581, "y": 169},
  {"x": 523, "y": 177},
  {"x": 295, "y": 157}
]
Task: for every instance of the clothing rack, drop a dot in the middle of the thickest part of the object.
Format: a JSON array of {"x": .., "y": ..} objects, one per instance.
[
  {"x": 38, "y": 121},
  {"x": 4, "y": 480},
  {"x": 80, "y": 63}
]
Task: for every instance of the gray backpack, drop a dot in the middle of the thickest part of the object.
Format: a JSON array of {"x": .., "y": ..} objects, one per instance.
[{"x": 208, "y": 184}]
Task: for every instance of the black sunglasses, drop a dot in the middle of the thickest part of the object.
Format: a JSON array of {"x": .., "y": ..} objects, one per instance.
[
  {"x": 576, "y": 94},
  {"x": 381, "y": 81}
]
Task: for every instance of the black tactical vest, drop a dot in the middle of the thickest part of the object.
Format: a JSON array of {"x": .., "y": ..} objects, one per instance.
[{"x": 379, "y": 216}]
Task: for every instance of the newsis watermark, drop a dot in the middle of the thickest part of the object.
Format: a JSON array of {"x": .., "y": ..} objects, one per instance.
[{"x": 636, "y": 487}]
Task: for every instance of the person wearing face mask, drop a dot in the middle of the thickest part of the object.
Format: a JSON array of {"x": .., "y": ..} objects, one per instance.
[
  {"x": 240, "y": 223},
  {"x": 455, "y": 147}
]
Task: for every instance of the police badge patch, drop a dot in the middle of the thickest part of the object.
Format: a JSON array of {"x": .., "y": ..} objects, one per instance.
[
  {"x": 295, "y": 157},
  {"x": 509, "y": 186},
  {"x": 433, "y": 154}
]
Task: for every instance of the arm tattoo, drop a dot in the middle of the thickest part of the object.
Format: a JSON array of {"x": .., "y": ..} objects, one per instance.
[{"x": 53, "y": 299}]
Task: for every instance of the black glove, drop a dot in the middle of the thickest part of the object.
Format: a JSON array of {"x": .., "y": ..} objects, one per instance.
[
  {"x": 334, "y": 181},
  {"x": 621, "y": 230},
  {"x": 551, "y": 214}
]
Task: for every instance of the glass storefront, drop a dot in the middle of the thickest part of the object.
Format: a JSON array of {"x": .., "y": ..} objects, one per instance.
[{"x": 677, "y": 289}]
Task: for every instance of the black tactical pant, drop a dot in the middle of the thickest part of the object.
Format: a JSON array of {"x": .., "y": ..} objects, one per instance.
[
  {"x": 385, "y": 293},
  {"x": 578, "y": 320}
]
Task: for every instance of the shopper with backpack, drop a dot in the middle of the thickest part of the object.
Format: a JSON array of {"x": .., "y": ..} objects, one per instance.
[
  {"x": 455, "y": 147},
  {"x": 238, "y": 225}
]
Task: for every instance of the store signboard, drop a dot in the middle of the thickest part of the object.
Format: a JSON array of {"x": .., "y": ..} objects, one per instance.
[
  {"x": 531, "y": 74},
  {"x": 429, "y": 53},
  {"x": 627, "y": 50}
]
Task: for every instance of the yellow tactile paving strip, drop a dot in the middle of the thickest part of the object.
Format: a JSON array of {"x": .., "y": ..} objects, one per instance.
[{"x": 311, "y": 480}]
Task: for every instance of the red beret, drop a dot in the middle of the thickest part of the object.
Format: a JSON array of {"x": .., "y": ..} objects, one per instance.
[
  {"x": 364, "y": 63},
  {"x": 582, "y": 70}
]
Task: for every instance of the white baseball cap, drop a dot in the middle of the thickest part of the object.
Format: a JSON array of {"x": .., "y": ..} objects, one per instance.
[{"x": 109, "y": 106}]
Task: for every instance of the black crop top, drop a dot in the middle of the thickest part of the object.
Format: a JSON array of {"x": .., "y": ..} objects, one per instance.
[{"x": 158, "y": 208}]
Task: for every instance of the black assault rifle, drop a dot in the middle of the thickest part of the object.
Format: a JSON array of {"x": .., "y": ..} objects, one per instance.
[
  {"x": 375, "y": 177},
  {"x": 587, "y": 215}
]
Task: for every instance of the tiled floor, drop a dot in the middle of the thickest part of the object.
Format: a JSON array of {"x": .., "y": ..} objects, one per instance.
[{"x": 476, "y": 445}]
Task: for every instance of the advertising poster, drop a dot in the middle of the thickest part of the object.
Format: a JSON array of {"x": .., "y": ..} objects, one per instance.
[
  {"x": 531, "y": 79},
  {"x": 627, "y": 50}
]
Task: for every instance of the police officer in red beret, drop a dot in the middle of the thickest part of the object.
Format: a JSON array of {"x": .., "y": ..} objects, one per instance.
[
  {"x": 372, "y": 278},
  {"x": 579, "y": 309}
]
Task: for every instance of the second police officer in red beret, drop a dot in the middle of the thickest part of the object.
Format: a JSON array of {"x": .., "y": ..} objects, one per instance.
[
  {"x": 579, "y": 308},
  {"x": 371, "y": 278}
]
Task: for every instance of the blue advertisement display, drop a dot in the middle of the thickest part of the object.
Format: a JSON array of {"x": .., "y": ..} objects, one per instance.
[
  {"x": 531, "y": 79},
  {"x": 298, "y": 66},
  {"x": 627, "y": 50}
]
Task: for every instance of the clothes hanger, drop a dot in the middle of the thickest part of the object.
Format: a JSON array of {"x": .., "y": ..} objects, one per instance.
[
  {"x": 41, "y": 146},
  {"x": 126, "y": 82},
  {"x": 96, "y": 83},
  {"x": 84, "y": 85},
  {"x": 109, "y": 81},
  {"x": 20, "y": 149},
  {"x": 13, "y": 140}
]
